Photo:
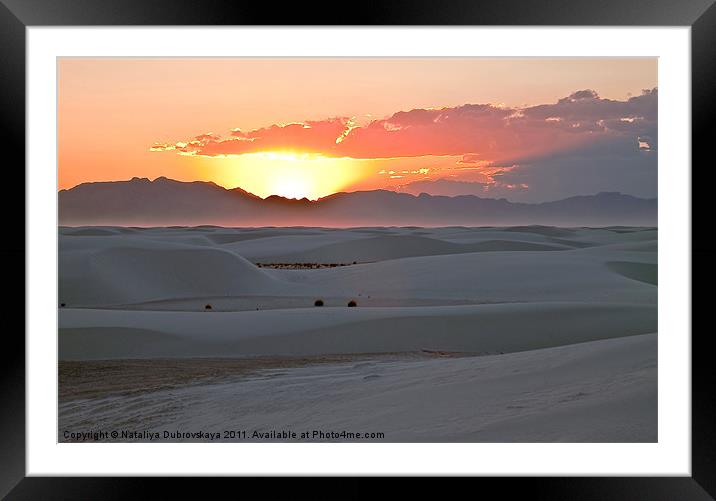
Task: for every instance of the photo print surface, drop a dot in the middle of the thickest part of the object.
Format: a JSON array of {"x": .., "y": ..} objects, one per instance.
[{"x": 357, "y": 249}]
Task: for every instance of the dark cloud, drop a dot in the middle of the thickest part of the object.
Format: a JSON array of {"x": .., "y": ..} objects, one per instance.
[{"x": 610, "y": 164}]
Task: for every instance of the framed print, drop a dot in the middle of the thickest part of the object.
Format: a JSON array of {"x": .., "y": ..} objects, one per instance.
[{"x": 428, "y": 243}]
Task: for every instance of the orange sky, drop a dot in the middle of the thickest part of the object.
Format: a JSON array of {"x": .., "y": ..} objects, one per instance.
[{"x": 113, "y": 111}]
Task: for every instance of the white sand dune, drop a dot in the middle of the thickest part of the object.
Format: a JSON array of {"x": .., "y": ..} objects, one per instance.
[
  {"x": 643, "y": 272},
  {"x": 563, "y": 320},
  {"x": 575, "y": 275},
  {"x": 266, "y": 248},
  {"x": 90, "y": 232},
  {"x": 601, "y": 391},
  {"x": 144, "y": 266},
  {"x": 104, "y": 334},
  {"x": 615, "y": 236},
  {"x": 136, "y": 270},
  {"x": 229, "y": 238},
  {"x": 425, "y": 241},
  {"x": 382, "y": 248},
  {"x": 550, "y": 231},
  {"x": 651, "y": 246}
]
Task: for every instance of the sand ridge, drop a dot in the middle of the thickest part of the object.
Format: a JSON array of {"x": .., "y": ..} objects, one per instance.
[{"x": 460, "y": 334}]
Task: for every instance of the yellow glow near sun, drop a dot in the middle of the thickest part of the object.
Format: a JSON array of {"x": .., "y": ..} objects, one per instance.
[{"x": 287, "y": 174}]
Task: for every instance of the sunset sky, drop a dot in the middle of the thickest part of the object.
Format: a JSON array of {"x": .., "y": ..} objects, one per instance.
[{"x": 523, "y": 129}]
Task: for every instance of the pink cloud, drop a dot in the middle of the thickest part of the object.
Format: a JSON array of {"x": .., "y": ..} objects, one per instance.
[{"x": 478, "y": 132}]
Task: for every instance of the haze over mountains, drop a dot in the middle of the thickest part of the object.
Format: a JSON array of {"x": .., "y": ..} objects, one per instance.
[{"x": 166, "y": 202}]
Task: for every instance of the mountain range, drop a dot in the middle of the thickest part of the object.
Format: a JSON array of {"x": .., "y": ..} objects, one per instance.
[{"x": 166, "y": 202}]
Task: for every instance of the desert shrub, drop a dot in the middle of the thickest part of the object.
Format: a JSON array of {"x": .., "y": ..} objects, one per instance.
[
  {"x": 319, "y": 302},
  {"x": 352, "y": 303}
]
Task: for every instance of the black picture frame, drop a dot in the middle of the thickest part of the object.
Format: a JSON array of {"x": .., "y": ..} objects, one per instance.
[{"x": 17, "y": 15}]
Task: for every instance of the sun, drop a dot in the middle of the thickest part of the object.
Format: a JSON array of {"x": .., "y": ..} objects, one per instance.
[
  {"x": 284, "y": 173},
  {"x": 293, "y": 185}
]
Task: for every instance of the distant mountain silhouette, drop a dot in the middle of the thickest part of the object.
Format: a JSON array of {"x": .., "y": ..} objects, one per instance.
[{"x": 166, "y": 202}]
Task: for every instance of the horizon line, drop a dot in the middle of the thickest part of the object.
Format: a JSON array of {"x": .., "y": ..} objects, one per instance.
[{"x": 159, "y": 178}]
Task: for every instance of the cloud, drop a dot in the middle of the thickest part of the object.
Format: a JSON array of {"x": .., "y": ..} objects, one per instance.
[
  {"x": 467, "y": 129},
  {"x": 310, "y": 136},
  {"x": 476, "y": 131},
  {"x": 586, "y": 105},
  {"x": 580, "y": 144},
  {"x": 470, "y": 159},
  {"x": 585, "y": 111},
  {"x": 609, "y": 164}
]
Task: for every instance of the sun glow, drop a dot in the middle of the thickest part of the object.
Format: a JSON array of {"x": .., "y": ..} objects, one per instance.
[{"x": 284, "y": 173}]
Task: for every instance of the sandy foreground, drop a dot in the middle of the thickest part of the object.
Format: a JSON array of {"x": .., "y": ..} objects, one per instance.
[{"x": 460, "y": 334}]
